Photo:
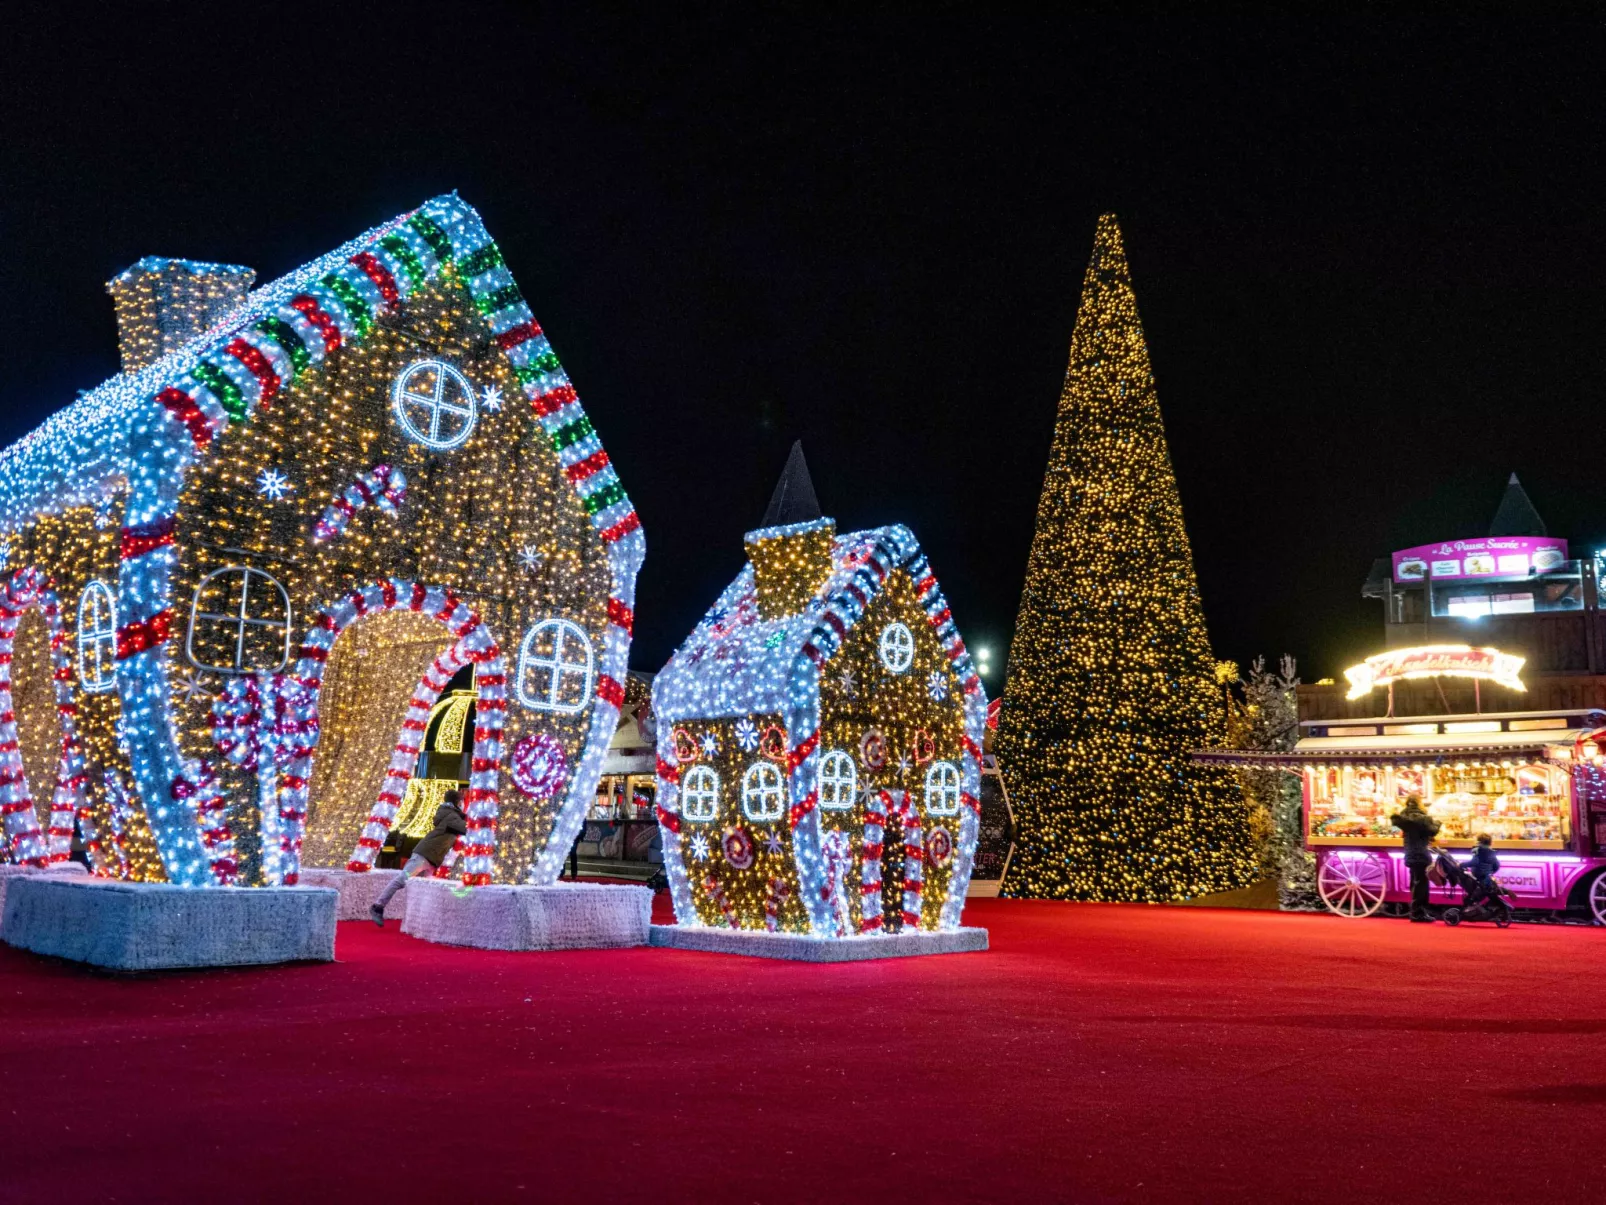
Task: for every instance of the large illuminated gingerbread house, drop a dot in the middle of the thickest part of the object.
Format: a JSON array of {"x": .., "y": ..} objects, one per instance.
[
  {"x": 241, "y": 575},
  {"x": 819, "y": 750}
]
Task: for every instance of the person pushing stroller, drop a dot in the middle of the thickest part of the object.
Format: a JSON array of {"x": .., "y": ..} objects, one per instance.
[
  {"x": 1482, "y": 896},
  {"x": 1419, "y": 829}
]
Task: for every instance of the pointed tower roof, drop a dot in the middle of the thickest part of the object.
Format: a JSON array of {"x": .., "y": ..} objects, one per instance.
[
  {"x": 793, "y": 500},
  {"x": 1516, "y": 516}
]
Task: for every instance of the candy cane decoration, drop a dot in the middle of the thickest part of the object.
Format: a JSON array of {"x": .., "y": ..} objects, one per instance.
[
  {"x": 381, "y": 485},
  {"x": 119, "y": 809},
  {"x": 877, "y": 808},
  {"x": 838, "y": 849},
  {"x": 777, "y": 895},
  {"x": 716, "y": 892}
]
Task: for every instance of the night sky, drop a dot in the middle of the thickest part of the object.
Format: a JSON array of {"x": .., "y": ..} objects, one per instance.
[{"x": 1368, "y": 254}]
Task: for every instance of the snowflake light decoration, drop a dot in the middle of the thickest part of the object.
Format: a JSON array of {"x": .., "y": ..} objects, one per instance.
[
  {"x": 849, "y": 681},
  {"x": 272, "y": 484},
  {"x": 747, "y": 735},
  {"x": 193, "y": 687},
  {"x": 937, "y": 686},
  {"x": 491, "y": 398},
  {"x": 710, "y": 744},
  {"x": 530, "y": 557},
  {"x": 772, "y": 842},
  {"x": 699, "y": 847},
  {"x": 904, "y": 765}
]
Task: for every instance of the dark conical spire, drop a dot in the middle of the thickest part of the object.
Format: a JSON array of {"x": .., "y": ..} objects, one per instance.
[
  {"x": 793, "y": 500},
  {"x": 1516, "y": 516}
]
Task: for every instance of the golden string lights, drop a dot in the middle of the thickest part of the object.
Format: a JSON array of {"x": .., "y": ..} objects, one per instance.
[{"x": 1111, "y": 678}]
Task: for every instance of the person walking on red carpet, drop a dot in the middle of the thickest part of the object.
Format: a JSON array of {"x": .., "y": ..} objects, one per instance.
[
  {"x": 1419, "y": 829},
  {"x": 428, "y": 854}
]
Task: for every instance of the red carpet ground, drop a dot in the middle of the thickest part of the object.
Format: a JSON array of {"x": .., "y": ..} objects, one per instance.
[{"x": 1096, "y": 1054}]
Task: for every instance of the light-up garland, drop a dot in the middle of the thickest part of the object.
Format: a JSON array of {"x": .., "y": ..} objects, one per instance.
[
  {"x": 80, "y": 455},
  {"x": 24, "y": 589},
  {"x": 382, "y": 485},
  {"x": 738, "y": 668}
]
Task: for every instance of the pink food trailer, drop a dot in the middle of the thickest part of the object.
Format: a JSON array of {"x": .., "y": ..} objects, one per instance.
[{"x": 1535, "y": 781}]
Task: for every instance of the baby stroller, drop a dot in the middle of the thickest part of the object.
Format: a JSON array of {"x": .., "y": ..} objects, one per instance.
[{"x": 1478, "y": 902}]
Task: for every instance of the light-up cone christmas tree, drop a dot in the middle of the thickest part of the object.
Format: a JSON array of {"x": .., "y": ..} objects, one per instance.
[{"x": 1111, "y": 679}]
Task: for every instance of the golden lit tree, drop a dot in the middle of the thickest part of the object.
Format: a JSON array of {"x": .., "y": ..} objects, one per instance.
[{"x": 1111, "y": 678}]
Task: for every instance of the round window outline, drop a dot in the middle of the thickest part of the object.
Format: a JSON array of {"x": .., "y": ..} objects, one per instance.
[
  {"x": 556, "y": 667},
  {"x": 99, "y": 640},
  {"x": 760, "y": 784},
  {"x": 897, "y": 647},
  {"x": 401, "y": 396},
  {"x": 942, "y": 798},
  {"x": 699, "y": 795},
  {"x": 838, "y": 791}
]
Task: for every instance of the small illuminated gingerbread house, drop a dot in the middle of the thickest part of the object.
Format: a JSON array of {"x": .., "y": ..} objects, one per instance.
[
  {"x": 299, "y": 517},
  {"x": 819, "y": 749}
]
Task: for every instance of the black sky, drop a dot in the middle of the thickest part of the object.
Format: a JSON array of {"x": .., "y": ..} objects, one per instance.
[{"x": 1368, "y": 251}]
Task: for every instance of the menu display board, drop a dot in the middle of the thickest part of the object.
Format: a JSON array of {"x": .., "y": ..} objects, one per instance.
[{"x": 1491, "y": 556}]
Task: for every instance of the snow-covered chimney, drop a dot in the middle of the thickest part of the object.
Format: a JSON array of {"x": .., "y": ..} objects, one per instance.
[{"x": 164, "y": 303}]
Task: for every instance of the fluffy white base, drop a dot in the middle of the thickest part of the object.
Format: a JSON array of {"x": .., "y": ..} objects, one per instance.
[
  {"x": 155, "y": 926},
  {"x": 11, "y": 873},
  {"x": 564, "y": 916},
  {"x": 802, "y": 947},
  {"x": 359, "y": 890}
]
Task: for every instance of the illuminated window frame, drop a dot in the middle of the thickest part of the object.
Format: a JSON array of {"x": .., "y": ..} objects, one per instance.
[
  {"x": 763, "y": 792},
  {"x": 897, "y": 647},
  {"x": 839, "y": 782},
  {"x": 556, "y": 667},
  {"x": 699, "y": 795},
  {"x": 942, "y": 789},
  {"x": 241, "y": 621},
  {"x": 404, "y": 400},
  {"x": 97, "y": 637}
]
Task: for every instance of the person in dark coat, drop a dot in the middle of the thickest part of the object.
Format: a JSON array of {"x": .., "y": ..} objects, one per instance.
[
  {"x": 1419, "y": 829},
  {"x": 1484, "y": 864},
  {"x": 428, "y": 854}
]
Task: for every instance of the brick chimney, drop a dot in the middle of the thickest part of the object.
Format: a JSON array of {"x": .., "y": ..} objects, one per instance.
[{"x": 164, "y": 303}]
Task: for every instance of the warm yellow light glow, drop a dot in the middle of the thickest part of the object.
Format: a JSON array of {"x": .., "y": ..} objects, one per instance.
[{"x": 1435, "y": 661}]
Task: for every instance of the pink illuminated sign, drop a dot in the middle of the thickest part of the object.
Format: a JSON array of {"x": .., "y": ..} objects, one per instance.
[{"x": 1491, "y": 556}]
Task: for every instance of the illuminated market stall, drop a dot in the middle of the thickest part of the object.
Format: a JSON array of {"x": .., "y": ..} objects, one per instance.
[{"x": 1531, "y": 780}]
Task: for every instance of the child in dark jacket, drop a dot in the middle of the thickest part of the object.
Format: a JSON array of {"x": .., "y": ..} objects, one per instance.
[{"x": 1484, "y": 864}]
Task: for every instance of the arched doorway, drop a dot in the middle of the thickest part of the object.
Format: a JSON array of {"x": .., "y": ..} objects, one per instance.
[{"x": 368, "y": 683}]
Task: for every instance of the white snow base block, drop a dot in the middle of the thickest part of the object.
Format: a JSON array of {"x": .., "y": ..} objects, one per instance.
[
  {"x": 156, "y": 926},
  {"x": 9, "y": 874},
  {"x": 359, "y": 890},
  {"x": 564, "y": 916},
  {"x": 802, "y": 947}
]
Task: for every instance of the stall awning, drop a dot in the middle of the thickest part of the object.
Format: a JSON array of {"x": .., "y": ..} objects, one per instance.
[{"x": 1312, "y": 750}]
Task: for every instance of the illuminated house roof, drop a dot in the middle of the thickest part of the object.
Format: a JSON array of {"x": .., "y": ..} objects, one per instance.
[
  {"x": 85, "y": 452},
  {"x": 737, "y": 663}
]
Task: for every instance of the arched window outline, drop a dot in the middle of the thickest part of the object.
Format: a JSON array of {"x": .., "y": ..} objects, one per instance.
[
  {"x": 556, "y": 668},
  {"x": 242, "y": 620},
  {"x": 699, "y": 795},
  {"x": 942, "y": 789},
  {"x": 763, "y": 792},
  {"x": 97, "y": 637},
  {"x": 435, "y": 402},
  {"x": 897, "y": 647},
  {"x": 839, "y": 782}
]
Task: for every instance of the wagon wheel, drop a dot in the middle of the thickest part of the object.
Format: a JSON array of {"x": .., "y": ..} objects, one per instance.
[
  {"x": 1597, "y": 899},
  {"x": 1352, "y": 884}
]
